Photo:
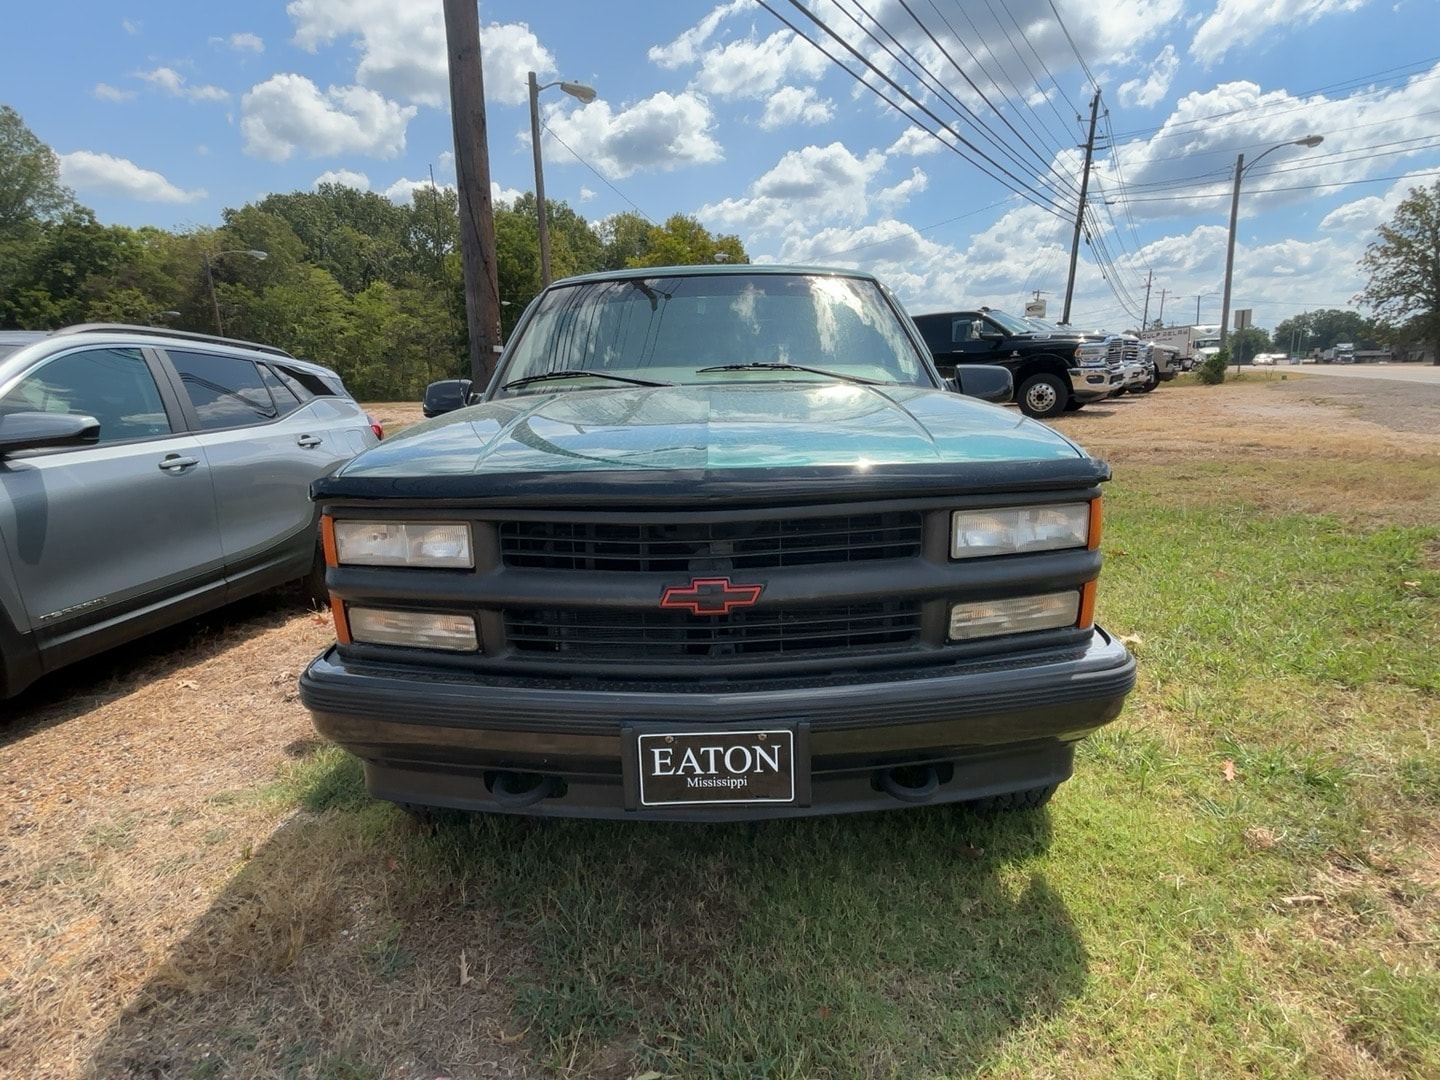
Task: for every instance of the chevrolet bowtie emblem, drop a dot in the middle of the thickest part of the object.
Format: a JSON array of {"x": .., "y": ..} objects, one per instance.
[{"x": 710, "y": 596}]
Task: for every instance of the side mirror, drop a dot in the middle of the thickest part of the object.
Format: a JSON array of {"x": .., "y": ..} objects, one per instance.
[
  {"x": 988, "y": 382},
  {"x": 445, "y": 396},
  {"x": 37, "y": 430}
]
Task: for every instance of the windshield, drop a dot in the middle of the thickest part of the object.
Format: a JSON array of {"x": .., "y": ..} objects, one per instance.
[
  {"x": 665, "y": 329},
  {"x": 1011, "y": 324}
]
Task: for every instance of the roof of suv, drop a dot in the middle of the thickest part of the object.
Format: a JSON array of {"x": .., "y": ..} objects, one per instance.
[{"x": 12, "y": 341}]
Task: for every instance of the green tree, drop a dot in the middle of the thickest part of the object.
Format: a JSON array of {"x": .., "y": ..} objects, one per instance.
[
  {"x": 55, "y": 277},
  {"x": 1246, "y": 344},
  {"x": 625, "y": 241},
  {"x": 683, "y": 241},
  {"x": 30, "y": 188},
  {"x": 1403, "y": 267},
  {"x": 359, "y": 237},
  {"x": 1325, "y": 328}
]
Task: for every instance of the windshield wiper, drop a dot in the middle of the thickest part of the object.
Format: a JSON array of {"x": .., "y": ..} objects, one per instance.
[
  {"x": 577, "y": 373},
  {"x": 762, "y": 366}
]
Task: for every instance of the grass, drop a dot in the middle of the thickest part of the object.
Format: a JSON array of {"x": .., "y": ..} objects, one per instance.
[{"x": 1243, "y": 877}]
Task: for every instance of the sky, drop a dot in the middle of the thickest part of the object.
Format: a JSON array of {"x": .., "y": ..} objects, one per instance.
[{"x": 959, "y": 190}]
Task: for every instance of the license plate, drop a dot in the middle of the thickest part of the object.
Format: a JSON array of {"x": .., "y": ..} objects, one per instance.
[{"x": 717, "y": 768}]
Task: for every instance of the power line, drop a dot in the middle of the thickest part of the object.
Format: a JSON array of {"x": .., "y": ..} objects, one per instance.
[{"x": 1011, "y": 183}]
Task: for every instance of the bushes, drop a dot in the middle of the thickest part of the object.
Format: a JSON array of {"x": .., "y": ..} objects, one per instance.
[{"x": 1212, "y": 371}]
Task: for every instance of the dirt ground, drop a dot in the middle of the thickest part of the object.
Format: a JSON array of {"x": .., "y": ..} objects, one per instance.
[{"x": 128, "y": 783}]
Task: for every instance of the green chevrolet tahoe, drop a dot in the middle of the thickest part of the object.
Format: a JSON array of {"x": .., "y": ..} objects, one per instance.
[{"x": 716, "y": 543}]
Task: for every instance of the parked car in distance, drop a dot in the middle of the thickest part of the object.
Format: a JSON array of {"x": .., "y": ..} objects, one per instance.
[
  {"x": 149, "y": 475},
  {"x": 1053, "y": 371},
  {"x": 716, "y": 543}
]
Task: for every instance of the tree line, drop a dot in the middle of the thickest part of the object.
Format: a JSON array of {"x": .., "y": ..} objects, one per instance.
[
  {"x": 348, "y": 278},
  {"x": 375, "y": 290}
]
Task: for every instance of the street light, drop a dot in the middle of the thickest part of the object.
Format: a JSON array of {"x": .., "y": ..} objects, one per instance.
[
  {"x": 210, "y": 279},
  {"x": 582, "y": 93},
  {"x": 1240, "y": 169}
]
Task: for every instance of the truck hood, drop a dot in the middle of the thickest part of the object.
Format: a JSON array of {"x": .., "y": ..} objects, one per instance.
[
  {"x": 690, "y": 433},
  {"x": 702, "y": 427}
]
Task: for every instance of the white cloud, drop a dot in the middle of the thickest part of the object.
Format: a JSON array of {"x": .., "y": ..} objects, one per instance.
[
  {"x": 793, "y": 105},
  {"x": 102, "y": 174},
  {"x": 755, "y": 69},
  {"x": 664, "y": 132},
  {"x": 403, "y": 52},
  {"x": 686, "y": 48},
  {"x": 130, "y": 26},
  {"x": 892, "y": 198},
  {"x": 806, "y": 187},
  {"x": 344, "y": 177},
  {"x": 247, "y": 43},
  {"x": 1250, "y": 22},
  {"x": 1151, "y": 89},
  {"x": 288, "y": 112},
  {"x": 504, "y": 195},
  {"x": 173, "y": 83},
  {"x": 914, "y": 142},
  {"x": 1359, "y": 216},
  {"x": 106, "y": 92},
  {"x": 402, "y": 190}
]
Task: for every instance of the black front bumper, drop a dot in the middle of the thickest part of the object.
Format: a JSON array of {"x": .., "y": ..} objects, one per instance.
[{"x": 450, "y": 739}]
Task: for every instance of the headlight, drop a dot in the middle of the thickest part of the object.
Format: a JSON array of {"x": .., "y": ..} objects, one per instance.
[
  {"x": 993, "y": 618},
  {"x": 978, "y": 533},
  {"x": 403, "y": 543},
  {"x": 415, "y": 629},
  {"x": 1092, "y": 355}
]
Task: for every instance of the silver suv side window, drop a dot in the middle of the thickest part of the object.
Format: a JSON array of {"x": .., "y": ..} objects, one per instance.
[
  {"x": 113, "y": 385},
  {"x": 226, "y": 391}
]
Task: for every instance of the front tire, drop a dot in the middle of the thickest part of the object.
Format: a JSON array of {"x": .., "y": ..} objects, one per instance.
[
  {"x": 1012, "y": 801},
  {"x": 1042, "y": 396}
]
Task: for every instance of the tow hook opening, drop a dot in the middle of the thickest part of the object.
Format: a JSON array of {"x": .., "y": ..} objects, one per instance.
[
  {"x": 914, "y": 783},
  {"x": 515, "y": 790}
]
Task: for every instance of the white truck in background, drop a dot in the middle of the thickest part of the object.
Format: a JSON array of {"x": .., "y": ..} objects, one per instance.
[
  {"x": 1341, "y": 353},
  {"x": 1193, "y": 344}
]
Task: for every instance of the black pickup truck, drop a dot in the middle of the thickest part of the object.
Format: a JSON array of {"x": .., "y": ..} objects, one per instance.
[{"x": 1052, "y": 372}]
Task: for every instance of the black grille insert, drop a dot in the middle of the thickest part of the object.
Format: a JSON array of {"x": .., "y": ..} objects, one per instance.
[
  {"x": 586, "y": 634},
  {"x": 741, "y": 545}
]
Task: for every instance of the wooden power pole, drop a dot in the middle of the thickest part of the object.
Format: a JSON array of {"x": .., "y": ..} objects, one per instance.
[
  {"x": 1080, "y": 212},
  {"x": 472, "y": 180}
]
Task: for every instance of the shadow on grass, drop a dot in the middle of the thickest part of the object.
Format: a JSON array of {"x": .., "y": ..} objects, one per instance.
[{"x": 888, "y": 944}]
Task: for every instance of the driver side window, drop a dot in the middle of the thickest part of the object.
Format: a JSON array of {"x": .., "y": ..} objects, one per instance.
[{"x": 112, "y": 385}]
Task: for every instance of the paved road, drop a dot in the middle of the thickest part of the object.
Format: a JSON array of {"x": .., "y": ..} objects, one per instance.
[{"x": 1421, "y": 373}]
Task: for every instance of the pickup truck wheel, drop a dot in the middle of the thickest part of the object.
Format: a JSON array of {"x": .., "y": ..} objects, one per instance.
[
  {"x": 1148, "y": 385},
  {"x": 1029, "y": 799},
  {"x": 1074, "y": 406},
  {"x": 1042, "y": 396}
]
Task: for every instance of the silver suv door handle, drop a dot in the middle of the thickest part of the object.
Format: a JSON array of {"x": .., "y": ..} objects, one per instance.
[
  {"x": 174, "y": 462},
  {"x": 308, "y": 441}
]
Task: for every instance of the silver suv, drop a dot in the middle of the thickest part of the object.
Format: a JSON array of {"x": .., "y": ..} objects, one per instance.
[{"x": 147, "y": 476}]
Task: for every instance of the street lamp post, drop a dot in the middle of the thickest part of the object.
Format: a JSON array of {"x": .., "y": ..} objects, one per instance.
[
  {"x": 582, "y": 93},
  {"x": 210, "y": 280},
  {"x": 1240, "y": 169}
]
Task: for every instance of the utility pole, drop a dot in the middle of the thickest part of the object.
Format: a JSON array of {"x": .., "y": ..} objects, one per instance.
[
  {"x": 1161, "y": 317},
  {"x": 472, "y": 179},
  {"x": 1080, "y": 213},
  {"x": 1145, "y": 318}
]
